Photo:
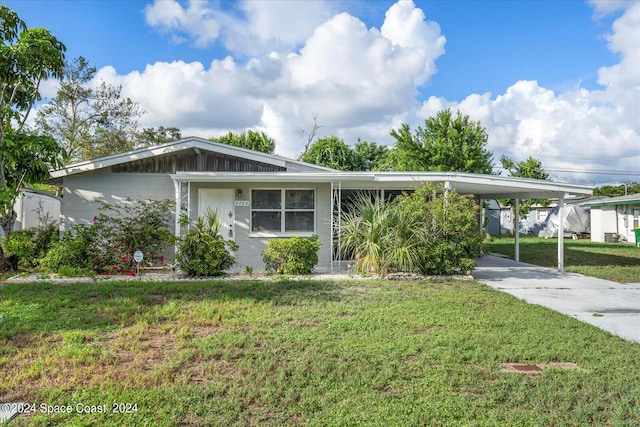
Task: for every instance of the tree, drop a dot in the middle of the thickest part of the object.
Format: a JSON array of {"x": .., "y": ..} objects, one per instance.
[
  {"x": 530, "y": 168},
  {"x": 617, "y": 190},
  {"x": 310, "y": 136},
  {"x": 27, "y": 56},
  {"x": 446, "y": 143},
  {"x": 89, "y": 121},
  {"x": 257, "y": 141},
  {"x": 332, "y": 152},
  {"x": 369, "y": 155},
  {"x": 154, "y": 136}
]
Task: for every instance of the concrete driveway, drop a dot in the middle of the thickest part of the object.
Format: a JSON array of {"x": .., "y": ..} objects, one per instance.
[{"x": 608, "y": 305}]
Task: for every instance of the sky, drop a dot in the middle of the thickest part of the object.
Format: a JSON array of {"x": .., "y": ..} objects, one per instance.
[{"x": 555, "y": 80}]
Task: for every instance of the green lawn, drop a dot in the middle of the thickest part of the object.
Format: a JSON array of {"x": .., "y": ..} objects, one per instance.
[
  {"x": 306, "y": 352},
  {"x": 619, "y": 262}
]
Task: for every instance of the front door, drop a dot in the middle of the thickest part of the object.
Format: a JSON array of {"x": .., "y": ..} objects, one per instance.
[{"x": 220, "y": 200}]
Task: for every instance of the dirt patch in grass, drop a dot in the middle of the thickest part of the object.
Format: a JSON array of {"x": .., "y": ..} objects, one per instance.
[
  {"x": 536, "y": 369},
  {"x": 137, "y": 358}
]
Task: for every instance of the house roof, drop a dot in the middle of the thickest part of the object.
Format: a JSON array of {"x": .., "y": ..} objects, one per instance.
[
  {"x": 175, "y": 147},
  {"x": 485, "y": 186},
  {"x": 631, "y": 199}
]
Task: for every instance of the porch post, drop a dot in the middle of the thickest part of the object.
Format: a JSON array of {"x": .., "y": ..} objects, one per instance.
[
  {"x": 336, "y": 214},
  {"x": 176, "y": 230},
  {"x": 561, "y": 233},
  {"x": 516, "y": 231}
]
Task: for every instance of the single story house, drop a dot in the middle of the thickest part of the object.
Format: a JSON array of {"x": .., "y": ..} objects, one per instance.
[
  {"x": 260, "y": 196},
  {"x": 614, "y": 219}
]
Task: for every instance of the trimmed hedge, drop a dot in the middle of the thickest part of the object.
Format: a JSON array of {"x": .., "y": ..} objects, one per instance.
[{"x": 293, "y": 255}]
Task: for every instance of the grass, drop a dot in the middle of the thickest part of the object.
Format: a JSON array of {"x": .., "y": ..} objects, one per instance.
[
  {"x": 619, "y": 262},
  {"x": 306, "y": 353}
]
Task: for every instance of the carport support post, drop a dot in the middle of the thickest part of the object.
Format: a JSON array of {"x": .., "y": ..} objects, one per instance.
[
  {"x": 561, "y": 233},
  {"x": 516, "y": 229}
]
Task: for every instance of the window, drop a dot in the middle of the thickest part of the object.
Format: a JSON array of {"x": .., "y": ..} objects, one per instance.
[
  {"x": 283, "y": 211},
  {"x": 636, "y": 218}
]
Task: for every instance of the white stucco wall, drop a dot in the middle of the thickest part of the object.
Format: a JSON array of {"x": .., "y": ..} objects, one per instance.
[
  {"x": 605, "y": 219},
  {"x": 250, "y": 244},
  {"x": 82, "y": 192}
]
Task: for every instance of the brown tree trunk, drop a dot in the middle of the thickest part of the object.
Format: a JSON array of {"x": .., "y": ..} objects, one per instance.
[{"x": 6, "y": 222}]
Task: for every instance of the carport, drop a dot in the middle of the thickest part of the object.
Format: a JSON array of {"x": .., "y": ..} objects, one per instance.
[{"x": 483, "y": 187}]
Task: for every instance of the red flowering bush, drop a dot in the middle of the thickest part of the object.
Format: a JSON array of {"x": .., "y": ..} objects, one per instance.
[{"x": 108, "y": 244}]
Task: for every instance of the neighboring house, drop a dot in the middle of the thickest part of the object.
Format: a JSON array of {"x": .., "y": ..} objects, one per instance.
[
  {"x": 259, "y": 196},
  {"x": 615, "y": 219},
  {"x": 34, "y": 208}
]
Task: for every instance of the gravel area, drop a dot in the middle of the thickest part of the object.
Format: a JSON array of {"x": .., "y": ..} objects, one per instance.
[{"x": 169, "y": 275}]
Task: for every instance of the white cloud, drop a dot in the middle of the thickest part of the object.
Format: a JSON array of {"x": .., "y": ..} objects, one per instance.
[
  {"x": 274, "y": 26},
  {"x": 350, "y": 76},
  {"x": 577, "y": 130},
  {"x": 362, "y": 82},
  {"x": 606, "y": 7},
  {"x": 197, "y": 20}
]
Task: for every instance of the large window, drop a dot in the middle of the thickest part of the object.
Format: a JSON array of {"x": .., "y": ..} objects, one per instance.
[{"x": 283, "y": 211}]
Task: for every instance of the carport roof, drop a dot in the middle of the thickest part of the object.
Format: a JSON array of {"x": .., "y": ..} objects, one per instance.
[{"x": 483, "y": 186}]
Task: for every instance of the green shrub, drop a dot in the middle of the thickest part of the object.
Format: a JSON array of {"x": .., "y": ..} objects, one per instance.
[
  {"x": 202, "y": 251},
  {"x": 449, "y": 229},
  {"x": 293, "y": 255},
  {"x": 107, "y": 246},
  {"x": 19, "y": 244},
  {"x": 425, "y": 232},
  {"x": 74, "y": 249},
  {"x": 29, "y": 246}
]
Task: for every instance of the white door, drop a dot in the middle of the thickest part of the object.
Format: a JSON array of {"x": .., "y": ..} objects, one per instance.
[{"x": 220, "y": 200}]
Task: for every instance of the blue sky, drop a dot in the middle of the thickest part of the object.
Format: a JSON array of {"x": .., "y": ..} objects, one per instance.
[{"x": 517, "y": 66}]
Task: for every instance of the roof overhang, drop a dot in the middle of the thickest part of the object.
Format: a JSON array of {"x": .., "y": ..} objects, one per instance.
[
  {"x": 483, "y": 186},
  {"x": 194, "y": 143},
  {"x": 613, "y": 203}
]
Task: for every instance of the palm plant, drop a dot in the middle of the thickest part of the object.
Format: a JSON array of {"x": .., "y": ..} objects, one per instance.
[
  {"x": 203, "y": 251},
  {"x": 381, "y": 237}
]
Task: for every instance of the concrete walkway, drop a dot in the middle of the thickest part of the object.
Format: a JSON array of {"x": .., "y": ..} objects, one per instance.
[{"x": 608, "y": 305}]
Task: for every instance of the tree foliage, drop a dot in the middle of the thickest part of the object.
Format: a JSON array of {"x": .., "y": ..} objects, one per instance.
[
  {"x": 445, "y": 143},
  {"x": 369, "y": 155},
  {"x": 89, "y": 121},
  {"x": 530, "y": 168},
  {"x": 257, "y": 141},
  {"x": 333, "y": 152},
  {"x": 154, "y": 136},
  {"x": 617, "y": 190},
  {"x": 27, "y": 57}
]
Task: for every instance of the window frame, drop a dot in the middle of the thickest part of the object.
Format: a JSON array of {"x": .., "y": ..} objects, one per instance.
[{"x": 282, "y": 211}]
